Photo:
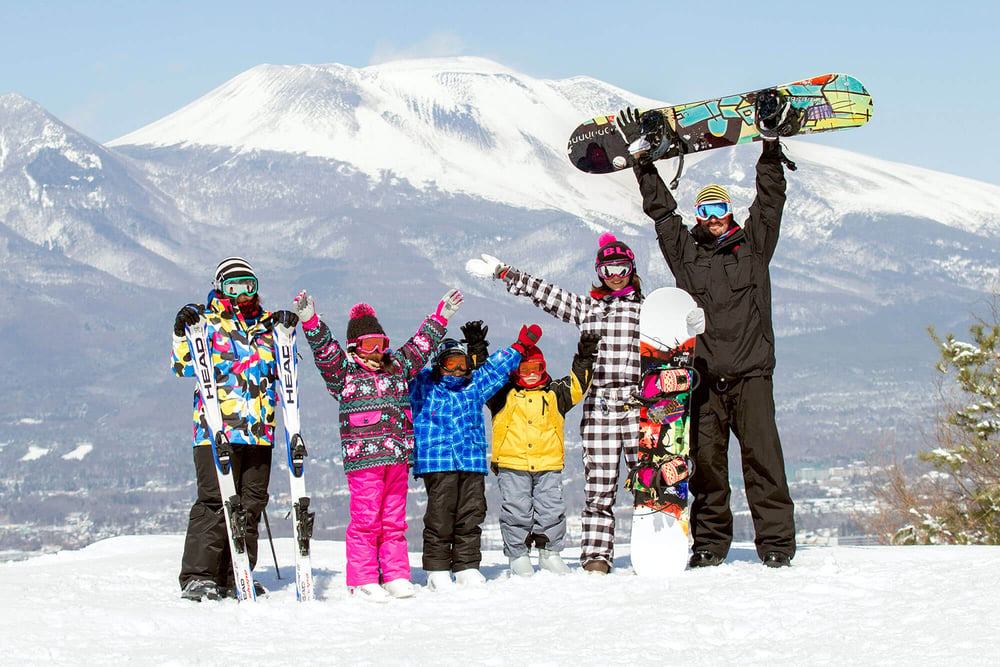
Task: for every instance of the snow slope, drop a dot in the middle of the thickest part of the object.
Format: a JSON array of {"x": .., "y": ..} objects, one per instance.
[{"x": 836, "y": 605}]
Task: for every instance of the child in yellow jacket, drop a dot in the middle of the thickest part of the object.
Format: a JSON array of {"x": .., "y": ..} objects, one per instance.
[{"x": 528, "y": 416}]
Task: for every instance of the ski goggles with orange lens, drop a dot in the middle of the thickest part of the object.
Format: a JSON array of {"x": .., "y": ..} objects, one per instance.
[
  {"x": 234, "y": 287},
  {"x": 455, "y": 362},
  {"x": 372, "y": 343},
  {"x": 536, "y": 366},
  {"x": 616, "y": 270},
  {"x": 713, "y": 209}
]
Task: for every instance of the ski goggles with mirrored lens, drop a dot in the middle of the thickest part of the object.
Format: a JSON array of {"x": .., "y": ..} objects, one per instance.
[
  {"x": 234, "y": 287},
  {"x": 372, "y": 343},
  {"x": 455, "y": 362},
  {"x": 536, "y": 366},
  {"x": 713, "y": 209},
  {"x": 616, "y": 270}
]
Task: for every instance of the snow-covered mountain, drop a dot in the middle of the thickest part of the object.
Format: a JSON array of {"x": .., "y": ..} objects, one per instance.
[{"x": 376, "y": 184}]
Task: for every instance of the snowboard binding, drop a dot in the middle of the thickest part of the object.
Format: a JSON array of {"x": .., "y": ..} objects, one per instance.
[{"x": 775, "y": 117}]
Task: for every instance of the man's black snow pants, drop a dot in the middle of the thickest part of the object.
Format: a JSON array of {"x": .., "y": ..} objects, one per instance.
[{"x": 744, "y": 407}]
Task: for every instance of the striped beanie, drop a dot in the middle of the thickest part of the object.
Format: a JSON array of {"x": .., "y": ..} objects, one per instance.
[
  {"x": 232, "y": 267},
  {"x": 712, "y": 192}
]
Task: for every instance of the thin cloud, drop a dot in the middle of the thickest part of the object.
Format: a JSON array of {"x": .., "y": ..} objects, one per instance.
[{"x": 438, "y": 45}]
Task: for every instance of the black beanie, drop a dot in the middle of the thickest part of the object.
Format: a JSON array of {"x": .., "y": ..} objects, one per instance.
[
  {"x": 611, "y": 250},
  {"x": 362, "y": 322}
]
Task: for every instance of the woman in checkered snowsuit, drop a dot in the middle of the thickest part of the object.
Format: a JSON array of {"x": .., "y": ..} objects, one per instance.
[{"x": 608, "y": 430}]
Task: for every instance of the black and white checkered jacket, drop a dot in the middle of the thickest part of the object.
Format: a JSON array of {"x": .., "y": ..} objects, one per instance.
[{"x": 616, "y": 319}]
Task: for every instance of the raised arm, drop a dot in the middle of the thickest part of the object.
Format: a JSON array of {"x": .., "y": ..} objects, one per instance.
[{"x": 764, "y": 224}]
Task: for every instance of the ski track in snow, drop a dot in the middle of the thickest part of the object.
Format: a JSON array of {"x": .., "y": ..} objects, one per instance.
[{"x": 117, "y": 601}]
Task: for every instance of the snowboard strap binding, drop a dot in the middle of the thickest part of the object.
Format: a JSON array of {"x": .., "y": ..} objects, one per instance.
[
  {"x": 652, "y": 480},
  {"x": 656, "y": 139}
]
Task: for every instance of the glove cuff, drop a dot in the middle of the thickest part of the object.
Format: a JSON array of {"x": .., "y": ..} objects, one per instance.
[
  {"x": 440, "y": 319},
  {"x": 311, "y": 323}
]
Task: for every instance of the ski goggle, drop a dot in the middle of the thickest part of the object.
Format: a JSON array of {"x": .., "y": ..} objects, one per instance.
[
  {"x": 534, "y": 366},
  {"x": 234, "y": 287},
  {"x": 372, "y": 343},
  {"x": 617, "y": 270},
  {"x": 713, "y": 209},
  {"x": 455, "y": 362}
]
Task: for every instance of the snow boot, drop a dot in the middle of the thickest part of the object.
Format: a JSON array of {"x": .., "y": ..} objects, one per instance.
[
  {"x": 596, "y": 567},
  {"x": 399, "y": 588},
  {"x": 200, "y": 589},
  {"x": 521, "y": 566},
  {"x": 370, "y": 593},
  {"x": 439, "y": 580},
  {"x": 470, "y": 577},
  {"x": 777, "y": 559},
  {"x": 552, "y": 561},
  {"x": 704, "y": 558}
]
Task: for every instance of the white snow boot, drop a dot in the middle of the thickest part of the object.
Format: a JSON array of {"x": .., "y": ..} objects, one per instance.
[
  {"x": 470, "y": 577},
  {"x": 370, "y": 593},
  {"x": 521, "y": 566},
  {"x": 552, "y": 561},
  {"x": 439, "y": 580},
  {"x": 399, "y": 588}
]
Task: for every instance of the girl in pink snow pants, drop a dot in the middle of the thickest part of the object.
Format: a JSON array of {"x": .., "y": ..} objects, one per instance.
[{"x": 371, "y": 383}]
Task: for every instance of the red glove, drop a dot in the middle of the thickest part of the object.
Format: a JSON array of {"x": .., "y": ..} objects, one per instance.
[{"x": 527, "y": 338}]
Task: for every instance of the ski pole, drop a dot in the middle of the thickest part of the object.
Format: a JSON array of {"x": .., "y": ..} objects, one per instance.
[{"x": 274, "y": 556}]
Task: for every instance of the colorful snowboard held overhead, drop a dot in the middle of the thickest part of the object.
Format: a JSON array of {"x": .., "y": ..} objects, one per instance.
[{"x": 819, "y": 104}]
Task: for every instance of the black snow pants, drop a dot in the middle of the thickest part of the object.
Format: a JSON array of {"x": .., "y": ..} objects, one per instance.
[
  {"x": 456, "y": 509},
  {"x": 744, "y": 407},
  {"x": 206, "y": 546}
]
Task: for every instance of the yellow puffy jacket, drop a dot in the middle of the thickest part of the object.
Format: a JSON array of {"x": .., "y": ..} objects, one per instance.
[{"x": 528, "y": 423}]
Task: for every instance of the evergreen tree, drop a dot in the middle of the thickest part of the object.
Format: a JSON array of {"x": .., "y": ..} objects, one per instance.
[{"x": 955, "y": 497}]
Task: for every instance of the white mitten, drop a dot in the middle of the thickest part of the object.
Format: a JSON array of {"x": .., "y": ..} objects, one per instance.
[
  {"x": 695, "y": 322},
  {"x": 485, "y": 266}
]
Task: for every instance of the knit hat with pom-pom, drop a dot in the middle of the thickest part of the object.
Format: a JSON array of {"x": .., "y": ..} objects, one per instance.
[
  {"x": 611, "y": 251},
  {"x": 362, "y": 322}
]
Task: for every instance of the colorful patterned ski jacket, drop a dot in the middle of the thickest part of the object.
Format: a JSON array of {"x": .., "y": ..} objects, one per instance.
[
  {"x": 528, "y": 424},
  {"x": 245, "y": 371},
  {"x": 448, "y": 415},
  {"x": 376, "y": 426},
  {"x": 615, "y": 318}
]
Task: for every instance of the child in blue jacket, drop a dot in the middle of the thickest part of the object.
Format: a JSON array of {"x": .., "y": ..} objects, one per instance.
[{"x": 450, "y": 453}]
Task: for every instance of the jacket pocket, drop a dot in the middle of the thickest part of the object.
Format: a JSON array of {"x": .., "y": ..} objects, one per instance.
[
  {"x": 366, "y": 418},
  {"x": 738, "y": 273}
]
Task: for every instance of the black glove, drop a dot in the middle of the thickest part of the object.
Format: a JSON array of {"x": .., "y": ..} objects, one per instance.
[
  {"x": 527, "y": 338},
  {"x": 475, "y": 340},
  {"x": 587, "y": 347},
  {"x": 628, "y": 121},
  {"x": 475, "y": 332},
  {"x": 286, "y": 318},
  {"x": 187, "y": 316}
]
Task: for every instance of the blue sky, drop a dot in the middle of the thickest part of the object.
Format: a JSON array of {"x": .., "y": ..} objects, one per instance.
[{"x": 107, "y": 68}]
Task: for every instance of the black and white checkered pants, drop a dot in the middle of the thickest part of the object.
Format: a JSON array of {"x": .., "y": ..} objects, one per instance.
[{"x": 608, "y": 432}]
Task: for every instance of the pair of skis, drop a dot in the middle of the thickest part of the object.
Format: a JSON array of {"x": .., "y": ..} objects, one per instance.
[{"x": 235, "y": 513}]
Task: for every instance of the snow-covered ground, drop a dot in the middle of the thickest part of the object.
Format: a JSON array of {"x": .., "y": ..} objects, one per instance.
[{"x": 116, "y": 602}]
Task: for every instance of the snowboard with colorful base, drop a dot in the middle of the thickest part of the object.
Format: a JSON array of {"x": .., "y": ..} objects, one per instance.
[
  {"x": 659, "y": 482},
  {"x": 286, "y": 356},
  {"x": 820, "y": 104},
  {"x": 235, "y": 515}
]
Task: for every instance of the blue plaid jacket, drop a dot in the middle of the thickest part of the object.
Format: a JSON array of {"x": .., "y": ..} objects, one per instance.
[{"x": 448, "y": 427}]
